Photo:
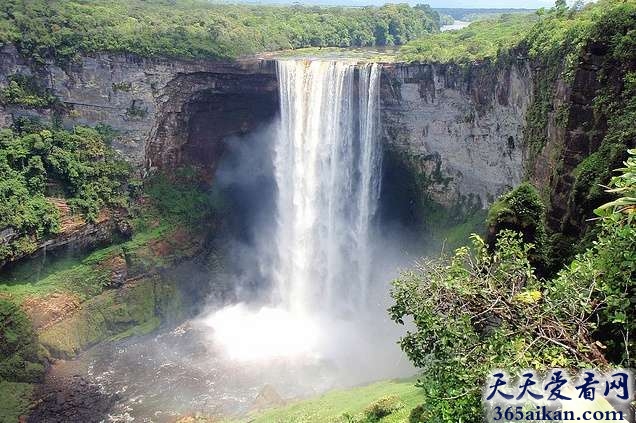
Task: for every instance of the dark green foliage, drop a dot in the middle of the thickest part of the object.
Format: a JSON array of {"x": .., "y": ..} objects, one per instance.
[
  {"x": 24, "y": 91},
  {"x": 382, "y": 408},
  {"x": 482, "y": 309},
  {"x": 76, "y": 165},
  {"x": 183, "y": 198},
  {"x": 479, "y": 310},
  {"x": 612, "y": 261},
  {"x": 523, "y": 211},
  {"x": 191, "y": 28},
  {"x": 418, "y": 414},
  {"x": 19, "y": 358}
]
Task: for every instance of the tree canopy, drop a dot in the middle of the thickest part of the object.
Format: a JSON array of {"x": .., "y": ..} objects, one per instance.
[{"x": 199, "y": 29}]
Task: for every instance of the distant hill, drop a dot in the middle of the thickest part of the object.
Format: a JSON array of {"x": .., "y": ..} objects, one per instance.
[{"x": 462, "y": 14}]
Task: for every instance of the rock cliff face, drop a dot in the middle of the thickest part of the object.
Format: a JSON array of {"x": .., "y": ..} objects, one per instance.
[
  {"x": 462, "y": 128},
  {"x": 572, "y": 133},
  {"x": 157, "y": 106}
]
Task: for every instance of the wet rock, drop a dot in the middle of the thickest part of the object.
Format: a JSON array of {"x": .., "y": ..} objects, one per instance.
[
  {"x": 268, "y": 397},
  {"x": 63, "y": 399}
]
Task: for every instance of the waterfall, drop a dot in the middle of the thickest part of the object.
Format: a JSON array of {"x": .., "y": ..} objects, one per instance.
[
  {"x": 327, "y": 161},
  {"x": 318, "y": 257}
]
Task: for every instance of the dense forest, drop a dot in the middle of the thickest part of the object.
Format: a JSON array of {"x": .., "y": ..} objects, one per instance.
[
  {"x": 198, "y": 29},
  {"x": 462, "y": 14}
]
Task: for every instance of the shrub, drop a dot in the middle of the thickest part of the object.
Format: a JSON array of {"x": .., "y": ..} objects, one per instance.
[
  {"x": 520, "y": 210},
  {"x": 382, "y": 408},
  {"x": 482, "y": 309},
  {"x": 24, "y": 91}
]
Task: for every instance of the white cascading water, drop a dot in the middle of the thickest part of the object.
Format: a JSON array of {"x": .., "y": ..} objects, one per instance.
[
  {"x": 327, "y": 163},
  {"x": 327, "y": 168}
]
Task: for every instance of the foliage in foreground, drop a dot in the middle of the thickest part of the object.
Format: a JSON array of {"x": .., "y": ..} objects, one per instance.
[
  {"x": 199, "y": 29},
  {"x": 481, "y": 309},
  {"x": 37, "y": 163}
]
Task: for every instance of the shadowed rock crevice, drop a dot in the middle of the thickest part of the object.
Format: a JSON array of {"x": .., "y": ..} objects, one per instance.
[{"x": 197, "y": 112}]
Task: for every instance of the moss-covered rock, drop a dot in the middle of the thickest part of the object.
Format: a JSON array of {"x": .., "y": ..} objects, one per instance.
[
  {"x": 137, "y": 308},
  {"x": 20, "y": 358}
]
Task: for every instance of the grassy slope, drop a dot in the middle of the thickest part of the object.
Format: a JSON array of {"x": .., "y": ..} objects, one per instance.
[
  {"x": 14, "y": 400},
  {"x": 335, "y": 405}
]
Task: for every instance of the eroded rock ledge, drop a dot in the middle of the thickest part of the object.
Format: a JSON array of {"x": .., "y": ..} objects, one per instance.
[{"x": 157, "y": 106}]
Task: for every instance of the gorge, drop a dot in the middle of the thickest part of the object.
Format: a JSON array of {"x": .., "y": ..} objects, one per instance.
[
  {"x": 327, "y": 292},
  {"x": 194, "y": 237}
]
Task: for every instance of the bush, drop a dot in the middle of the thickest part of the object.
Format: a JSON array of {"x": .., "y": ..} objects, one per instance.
[
  {"x": 521, "y": 210},
  {"x": 182, "y": 197},
  {"x": 417, "y": 415},
  {"x": 382, "y": 408},
  {"x": 24, "y": 91},
  {"x": 483, "y": 309}
]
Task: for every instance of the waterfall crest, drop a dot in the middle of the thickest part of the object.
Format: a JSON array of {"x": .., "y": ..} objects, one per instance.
[{"x": 327, "y": 160}]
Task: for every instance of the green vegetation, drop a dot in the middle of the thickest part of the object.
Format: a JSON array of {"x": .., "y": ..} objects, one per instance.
[
  {"x": 199, "y": 29},
  {"x": 556, "y": 42},
  {"x": 24, "y": 91},
  {"x": 76, "y": 167},
  {"x": 387, "y": 402},
  {"x": 481, "y": 40},
  {"x": 182, "y": 198},
  {"x": 137, "y": 309},
  {"x": 523, "y": 211},
  {"x": 170, "y": 224},
  {"x": 463, "y": 14},
  {"x": 16, "y": 399},
  {"x": 482, "y": 309},
  {"x": 555, "y": 35},
  {"x": 560, "y": 42},
  {"x": 20, "y": 359}
]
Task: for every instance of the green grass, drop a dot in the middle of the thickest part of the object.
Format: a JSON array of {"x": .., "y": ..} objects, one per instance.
[
  {"x": 335, "y": 405},
  {"x": 14, "y": 400},
  {"x": 459, "y": 235},
  {"x": 83, "y": 277}
]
